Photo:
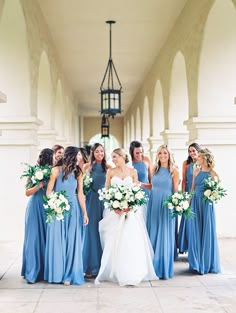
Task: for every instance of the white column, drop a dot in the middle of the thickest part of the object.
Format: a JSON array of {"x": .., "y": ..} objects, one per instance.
[
  {"x": 154, "y": 145},
  {"x": 18, "y": 144},
  {"x": 176, "y": 141}
]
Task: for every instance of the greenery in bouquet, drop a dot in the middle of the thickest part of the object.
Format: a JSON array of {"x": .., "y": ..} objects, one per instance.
[
  {"x": 36, "y": 174},
  {"x": 179, "y": 204},
  {"x": 56, "y": 206},
  {"x": 213, "y": 190},
  {"x": 87, "y": 183},
  {"x": 123, "y": 198}
]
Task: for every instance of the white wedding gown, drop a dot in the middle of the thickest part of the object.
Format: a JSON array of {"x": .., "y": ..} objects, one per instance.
[{"x": 127, "y": 252}]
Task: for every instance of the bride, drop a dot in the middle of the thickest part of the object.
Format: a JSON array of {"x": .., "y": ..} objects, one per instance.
[{"x": 127, "y": 252}]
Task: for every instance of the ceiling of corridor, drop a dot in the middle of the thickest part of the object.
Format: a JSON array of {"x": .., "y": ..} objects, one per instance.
[{"x": 81, "y": 38}]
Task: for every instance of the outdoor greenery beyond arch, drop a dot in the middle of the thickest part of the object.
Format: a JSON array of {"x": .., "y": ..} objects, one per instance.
[{"x": 109, "y": 144}]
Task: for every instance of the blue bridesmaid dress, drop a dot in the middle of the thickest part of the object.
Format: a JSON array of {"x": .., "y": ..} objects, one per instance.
[
  {"x": 161, "y": 225},
  {"x": 34, "y": 239},
  {"x": 63, "y": 257},
  {"x": 92, "y": 249},
  {"x": 203, "y": 253},
  {"x": 184, "y": 224},
  {"x": 143, "y": 177}
]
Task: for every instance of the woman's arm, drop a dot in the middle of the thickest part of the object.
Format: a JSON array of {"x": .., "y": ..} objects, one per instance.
[
  {"x": 134, "y": 175},
  {"x": 184, "y": 170},
  {"x": 175, "y": 180},
  {"x": 108, "y": 178},
  {"x": 53, "y": 177},
  {"x": 214, "y": 174},
  {"x": 81, "y": 198},
  {"x": 30, "y": 191},
  {"x": 149, "y": 168}
]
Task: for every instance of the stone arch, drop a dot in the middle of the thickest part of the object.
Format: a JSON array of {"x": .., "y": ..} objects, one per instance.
[
  {"x": 217, "y": 68},
  {"x": 178, "y": 110},
  {"x": 14, "y": 61},
  {"x": 44, "y": 95}
]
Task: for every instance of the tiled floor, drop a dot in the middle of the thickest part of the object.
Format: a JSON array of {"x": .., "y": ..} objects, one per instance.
[{"x": 185, "y": 293}]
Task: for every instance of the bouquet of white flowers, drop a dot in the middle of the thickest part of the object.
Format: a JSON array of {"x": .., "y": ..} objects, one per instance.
[
  {"x": 122, "y": 198},
  {"x": 179, "y": 204},
  {"x": 36, "y": 174},
  {"x": 56, "y": 206},
  {"x": 87, "y": 183},
  {"x": 213, "y": 190}
]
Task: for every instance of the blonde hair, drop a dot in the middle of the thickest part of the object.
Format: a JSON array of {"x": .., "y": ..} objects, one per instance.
[
  {"x": 208, "y": 157},
  {"x": 171, "y": 162},
  {"x": 121, "y": 152}
]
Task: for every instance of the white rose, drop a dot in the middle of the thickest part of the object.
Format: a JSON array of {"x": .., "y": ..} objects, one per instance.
[
  {"x": 215, "y": 194},
  {"x": 207, "y": 193},
  {"x": 178, "y": 208},
  {"x": 116, "y": 204},
  {"x": 61, "y": 197},
  {"x": 58, "y": 210},
  {"x": 185, "y": 205},
  {"x": 118, "y": 195},
  {"x": 170, "y": 206},
  {"x": 108, "y": 196},
  {"x": 139, "y": 195},
  {"x": 136, "y": 188},
  {"x": 39, "y": 175},
  {"x": 175, "y": 201}
]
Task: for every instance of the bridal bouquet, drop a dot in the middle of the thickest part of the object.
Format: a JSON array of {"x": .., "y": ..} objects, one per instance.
[
  {"x": 36, "y": 174},
  {"x": 213, "y": 190},
  {"x": 179, "y": 204},
  {"x": 56, "y": 206},
  {"x": 122, "y": 199},
  {"x": 87, "y": 183}
]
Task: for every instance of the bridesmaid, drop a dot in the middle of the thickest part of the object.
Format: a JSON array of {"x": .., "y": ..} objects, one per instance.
[
  {"x": 143, "y": 166},
  {"x": 58, "y": 151},
  {"x": 35, "y": 227},
  {"x": 83, "y": 157},
  {"x": 63, "y": 258},
  {"x": 160, "y": 224},
  {"x": 92, "y": 251},
  {"x": 203, "y": 254},
  {"x": 187, "y": 173}
]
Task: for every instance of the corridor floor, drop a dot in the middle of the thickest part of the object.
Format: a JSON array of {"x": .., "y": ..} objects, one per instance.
[{"x": 185, "y": 293}]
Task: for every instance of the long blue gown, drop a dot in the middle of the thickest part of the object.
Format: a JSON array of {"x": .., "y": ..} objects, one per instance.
[
  {"x": 63, "y": 257},
  {"x": 203, "y": 253},
  {"x": 92, "y": 250},
  {"x": 161, "y": 225},
  {"x": 184, "y": 224},
  {"x": 34, "y": 239},
  {"x": 142, "y": 171}
]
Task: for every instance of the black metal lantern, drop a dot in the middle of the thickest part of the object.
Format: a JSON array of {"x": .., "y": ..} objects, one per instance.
[
  {"x": 105, "y": 126},
  {"x": 110, "y": 87}
]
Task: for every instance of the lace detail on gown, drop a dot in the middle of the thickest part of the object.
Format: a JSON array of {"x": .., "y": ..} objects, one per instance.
[{"x": 127, "y": 251}]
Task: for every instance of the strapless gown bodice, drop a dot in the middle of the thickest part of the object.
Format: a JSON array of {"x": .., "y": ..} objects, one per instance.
[{"x": 127, "y": 181}]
